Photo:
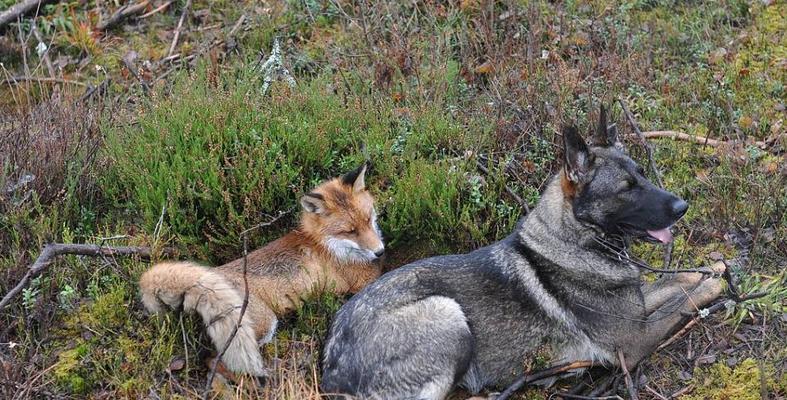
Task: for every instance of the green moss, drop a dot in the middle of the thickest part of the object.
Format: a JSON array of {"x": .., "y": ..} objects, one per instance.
[
  {"x": 69, "y": 372},
  {"x": 720, "y": 382}
]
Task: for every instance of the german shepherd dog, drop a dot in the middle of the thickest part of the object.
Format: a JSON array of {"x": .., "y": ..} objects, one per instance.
[{"x": 551, "y": 290}]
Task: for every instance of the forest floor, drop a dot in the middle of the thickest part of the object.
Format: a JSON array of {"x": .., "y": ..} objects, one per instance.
[{"x": 147, "y": 131}]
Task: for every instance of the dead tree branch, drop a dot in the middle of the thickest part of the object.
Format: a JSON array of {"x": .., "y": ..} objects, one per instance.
[
  {"x": 629, "y": 382},
  {"x": 179, "y": 27},
  {"x": 53, "y": 250},
  {"x": 18, "y": 10},
  {"x": 697, "y": 139},
  {"x": 15, "y": 80},
  {"x": 159, "y": 8},
  {"x": 121, "y": 14},
  {"x": 541, "y": 374}
]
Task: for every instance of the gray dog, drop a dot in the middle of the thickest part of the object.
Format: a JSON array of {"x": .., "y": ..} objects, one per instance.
[{"x": 554, "y": 290}]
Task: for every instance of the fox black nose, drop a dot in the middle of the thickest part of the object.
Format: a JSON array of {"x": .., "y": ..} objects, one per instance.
[
  {"x": 679, "y": 208},
  {"x": 380, "y": 252}
]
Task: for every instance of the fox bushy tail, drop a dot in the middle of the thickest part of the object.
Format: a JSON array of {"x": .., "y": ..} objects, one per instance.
[{"x": 215, "y": 299}]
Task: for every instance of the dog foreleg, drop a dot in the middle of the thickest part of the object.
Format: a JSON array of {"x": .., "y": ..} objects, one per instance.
[{"x": 668, "y": 316}]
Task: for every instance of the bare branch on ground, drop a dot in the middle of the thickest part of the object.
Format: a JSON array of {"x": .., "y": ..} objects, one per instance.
[{"x": 53, "y": 250}]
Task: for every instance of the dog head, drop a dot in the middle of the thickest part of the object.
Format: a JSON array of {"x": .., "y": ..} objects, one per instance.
[{"x": 608, "y": 191}]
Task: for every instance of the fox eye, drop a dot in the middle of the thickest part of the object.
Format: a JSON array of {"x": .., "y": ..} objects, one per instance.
[{"x": 351, "y": 231}]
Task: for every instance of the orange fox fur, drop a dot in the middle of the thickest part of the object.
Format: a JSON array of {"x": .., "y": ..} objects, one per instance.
[{"x": 331, "y": 251}]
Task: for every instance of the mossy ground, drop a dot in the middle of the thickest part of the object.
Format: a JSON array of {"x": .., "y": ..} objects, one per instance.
[{"x": 428, "y": 90}]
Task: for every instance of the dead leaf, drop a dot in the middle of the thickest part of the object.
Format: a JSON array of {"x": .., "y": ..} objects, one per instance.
[
  {"x": 176, "y": 364},
  {"x": 484, "y": 68}
]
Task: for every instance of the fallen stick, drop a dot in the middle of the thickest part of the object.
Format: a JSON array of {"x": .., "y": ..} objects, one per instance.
[
  {"x": 53, "y": 250},
  {"x": 19, "y": 9},
  {"x": 179, "y": 27},
  {"x": 580, "y": 397},
  {"x": 15, "y": 80},
  {"x": 541, "y": 374},
  {"x": 159, "y": 8},
  {"x": 633, "y": 393},
  {"x": 122, "y": 13},
  {"x": 695, "y": 139}
]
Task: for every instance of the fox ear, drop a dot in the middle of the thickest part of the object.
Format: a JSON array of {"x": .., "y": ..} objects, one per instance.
[
  {"x": 577, "y": 157},
  {"x": 313, "y": 203},
  {"x": 606, "y": 135},
  {"x": 356, "y": 178}
]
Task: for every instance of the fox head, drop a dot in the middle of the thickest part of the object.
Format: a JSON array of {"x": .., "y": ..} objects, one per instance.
[{"x": 340, "y": 215}]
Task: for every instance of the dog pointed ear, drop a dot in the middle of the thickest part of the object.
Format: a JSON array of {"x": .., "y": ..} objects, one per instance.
[
  {"x": 313, "y": 202},
  {"x": 576, "y": 156},
  {"x": 356, "y": 178},
  {"x": 606, "y": 136}
]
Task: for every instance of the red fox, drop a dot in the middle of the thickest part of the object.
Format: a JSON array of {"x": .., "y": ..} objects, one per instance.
[{"x": 332, "y": 250}]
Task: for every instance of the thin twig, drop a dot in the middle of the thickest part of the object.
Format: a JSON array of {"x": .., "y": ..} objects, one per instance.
[
  {"x": 121, "y": 14},
  {"x": 655, "y": 393},
  {"x": 708, "y": 311},
  {"x": 92, "y": 90},
  {"x": 237, "y": 25},
  {"x": 179, "y": 27},
  {"x": 217, "y": 360},
  {"x": 133, "y": 70},
  {"x": 541, "y": 374},
  {"x": 580, "y": 397},
  {"x": 45, "y": 53},
  {"x": 245, "y": 303},
  {"x": 267, "y": 223},
  {"x": 15, "y": 80},
  {"x": 508, "y": 189},
  {"x": 53, "y": 250},
  {"x": 629, "y": 382},
  {"x": 697, "y": 139},
  {"x": 645, "y": 144},
  {"x": 159, "y": 8}
]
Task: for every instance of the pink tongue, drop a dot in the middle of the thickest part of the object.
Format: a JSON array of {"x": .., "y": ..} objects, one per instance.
[{"x": 663, "y": 235}]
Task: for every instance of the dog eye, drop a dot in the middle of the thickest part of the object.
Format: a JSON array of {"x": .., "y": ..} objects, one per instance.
[{"x": 627, "y": 184}]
